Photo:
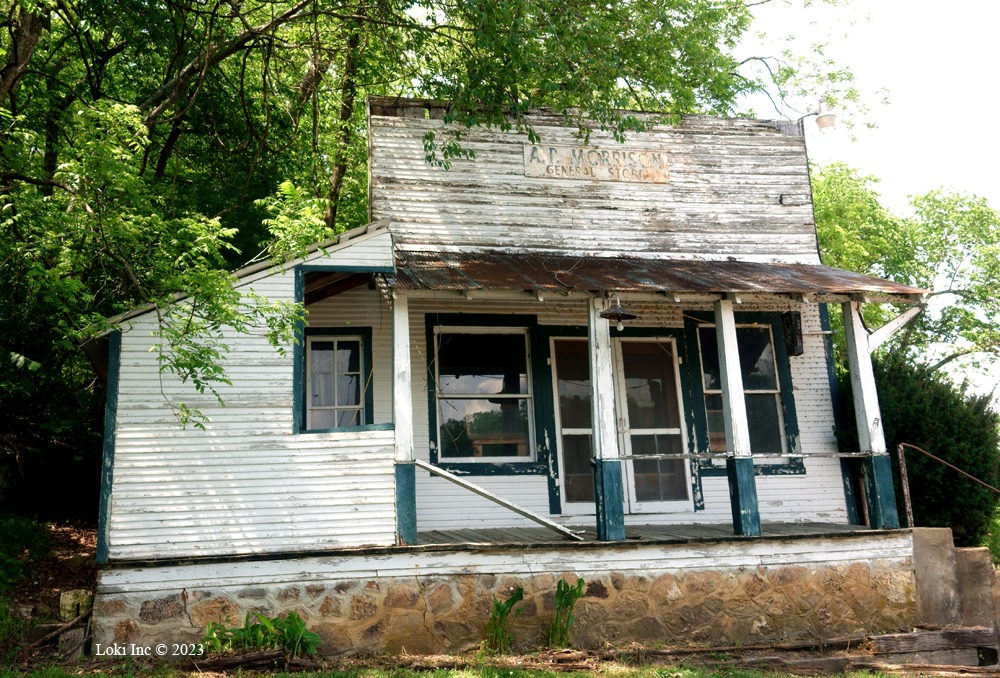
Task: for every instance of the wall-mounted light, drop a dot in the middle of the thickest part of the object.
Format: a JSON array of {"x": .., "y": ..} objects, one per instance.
[
  {"x": 825, "y": 118},
  {"x": 618, "y": 314}
]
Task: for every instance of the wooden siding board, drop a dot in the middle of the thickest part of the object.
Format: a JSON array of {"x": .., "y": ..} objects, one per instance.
[
  {"x": 247, "y": 484},
  {"x": 723, "y": 197}
]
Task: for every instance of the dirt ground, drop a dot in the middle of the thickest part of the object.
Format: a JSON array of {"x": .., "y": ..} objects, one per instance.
[{"x": 69, "y": 565}]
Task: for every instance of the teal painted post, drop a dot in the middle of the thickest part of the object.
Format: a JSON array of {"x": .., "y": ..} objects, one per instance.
[
  {"x": 406, "y": 503},
  {"x": 739, "y": 462},
  {"x": 608, "y": 495},
  {"x": 881, "y": 495},
  {"x": 877, "y": 469},
  {"x": 609, "y": 499},
  {"x": 108, "y": 461},
  {"x": 743, "y": 496}
]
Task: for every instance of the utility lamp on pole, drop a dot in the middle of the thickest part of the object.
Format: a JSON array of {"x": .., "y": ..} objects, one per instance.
[{"x": 825, "y": 118}]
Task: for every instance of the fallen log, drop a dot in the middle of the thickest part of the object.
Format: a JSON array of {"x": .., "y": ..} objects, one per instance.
[
  {"x": 252, "y": 660},
  {"x": 831, "y": 643},
  {"x": 930, "y": 641},
  {"x": 935, "y": 669}
]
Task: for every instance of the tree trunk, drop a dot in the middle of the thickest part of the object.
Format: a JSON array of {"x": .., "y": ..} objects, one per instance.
[
  {"x": 27, "y": 32},
  {"x": 348, "y": 92}
]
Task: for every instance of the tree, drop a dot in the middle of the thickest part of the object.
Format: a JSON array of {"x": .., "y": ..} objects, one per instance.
[
  {"x": 924, "y": 408},
  {"x": 147, "y": 148},
  {"x": 949, "y": 246}
]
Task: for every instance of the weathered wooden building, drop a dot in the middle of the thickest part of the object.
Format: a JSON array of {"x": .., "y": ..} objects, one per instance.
[{"x": 460, "y": 416}]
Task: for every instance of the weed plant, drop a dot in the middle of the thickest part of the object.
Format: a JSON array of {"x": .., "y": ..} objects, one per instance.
[
  {"x": 285, "y": 633},
  {"x": 564, "y": 601},
  {"x": 498, "y": 637}
]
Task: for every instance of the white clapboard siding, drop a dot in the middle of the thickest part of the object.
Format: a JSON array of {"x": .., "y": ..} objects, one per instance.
[
  {"x": 245, "y": 484},
  {"x": 816, "y": 496},
  {"x": 891, "y": 549},
  {"x": 723, "y": 197}
]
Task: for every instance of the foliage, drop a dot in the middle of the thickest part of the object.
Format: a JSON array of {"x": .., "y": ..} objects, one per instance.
[
  {"x": 924, "y": 409},
  {"x": 147, "y": 148},
  {"x": 498, "y": 637},
  {"x": 950, "y": 246},
  {"x": 287, "y": 633},
  {"x": 20, "y": 539},
  {"x": 564, "y": 601},
  {"x": 13, "y": 632}
]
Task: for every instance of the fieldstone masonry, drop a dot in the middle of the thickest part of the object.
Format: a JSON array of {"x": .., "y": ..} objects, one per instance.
[{"x": 449, "y": 613}]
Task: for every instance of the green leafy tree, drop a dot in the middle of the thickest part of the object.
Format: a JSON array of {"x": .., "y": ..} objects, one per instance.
[
  {"x": 949, "y": 246},
  {"x": 924, "y": 408},
  {"x": 148, "y": 148}
]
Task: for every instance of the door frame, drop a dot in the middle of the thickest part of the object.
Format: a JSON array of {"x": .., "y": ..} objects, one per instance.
[{"x": 632, "y": 506}]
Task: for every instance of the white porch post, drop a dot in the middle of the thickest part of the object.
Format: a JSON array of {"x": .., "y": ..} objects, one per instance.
[
  {"x": 880, "y": 493},
  {"x": 607, "y": 465},
  {"x": 739, "y": 462},
  {"x": 402, "y": 418}
]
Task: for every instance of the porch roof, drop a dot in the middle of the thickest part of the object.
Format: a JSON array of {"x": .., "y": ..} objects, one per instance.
[{"x": 507, "y": 270}]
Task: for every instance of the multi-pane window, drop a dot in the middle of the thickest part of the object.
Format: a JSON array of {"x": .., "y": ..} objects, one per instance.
[
  {"x": 335, "y": 382},
  {"x": 484, "y": 397},
  {"x": 760, "y": 387}
]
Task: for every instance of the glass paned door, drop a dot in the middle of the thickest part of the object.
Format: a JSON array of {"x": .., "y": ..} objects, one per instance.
[
  {"x": 649, "y": 420},
  {"x": 648, "y": 403},
  {"x": 571, "y": 374}
]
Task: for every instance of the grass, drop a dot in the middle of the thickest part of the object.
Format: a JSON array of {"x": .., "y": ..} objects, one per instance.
[{"x": 132, "y": 669}]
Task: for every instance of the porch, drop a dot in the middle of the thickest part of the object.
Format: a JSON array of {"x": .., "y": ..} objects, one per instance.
[{"x": 645, "y": 535}]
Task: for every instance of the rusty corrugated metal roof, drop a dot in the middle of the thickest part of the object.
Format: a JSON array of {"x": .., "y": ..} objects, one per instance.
[{"x": 503, "y": 270}]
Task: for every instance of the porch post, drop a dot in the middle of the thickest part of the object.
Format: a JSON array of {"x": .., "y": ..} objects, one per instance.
[
  {"x": 876, "y": 470},
  {"x": 402, "y": 418},
  {"x": 739, "y": 462},
  {"x": 607, "y": 465}
]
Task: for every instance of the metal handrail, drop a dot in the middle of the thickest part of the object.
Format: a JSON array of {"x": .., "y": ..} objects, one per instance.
[{"x": 906, "y": 482}]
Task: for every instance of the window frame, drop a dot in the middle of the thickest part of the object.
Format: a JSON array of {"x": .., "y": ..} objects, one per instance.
[
  {"x": 363, "y": 376},
  {"x": 368, "y": 380},
  {"x": 709, "y": 467},
  {"x": 776, "y": 391},
  {"x": 438, "y": 330}
]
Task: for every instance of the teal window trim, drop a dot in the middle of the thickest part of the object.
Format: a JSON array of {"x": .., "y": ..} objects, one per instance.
[
  {"x": 847, "y": 466},
  {"x": 537, "y": 467},
  {"x": 795, "y": 466},
  {"x": 299, "y": 350},
  {"x": 368, "y": 381},
  {"x": 108, "y": 457}
]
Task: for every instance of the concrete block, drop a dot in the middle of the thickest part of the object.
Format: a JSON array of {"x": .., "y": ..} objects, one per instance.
[
  {"x": 935, "y": 571},
  {"x": 74, "y": 603},
  {"x": 975, "y": 574}
]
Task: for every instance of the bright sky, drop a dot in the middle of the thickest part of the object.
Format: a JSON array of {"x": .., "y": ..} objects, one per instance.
[{"x": 939, "y": 61}]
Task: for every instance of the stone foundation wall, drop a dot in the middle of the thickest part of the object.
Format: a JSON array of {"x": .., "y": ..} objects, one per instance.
[{"x": 448, "y": 613}]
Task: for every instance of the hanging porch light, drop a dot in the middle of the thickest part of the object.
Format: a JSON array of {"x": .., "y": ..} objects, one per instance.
[{"x": 618, "y": 314}]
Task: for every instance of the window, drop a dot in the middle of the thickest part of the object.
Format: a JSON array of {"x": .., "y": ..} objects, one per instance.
[
  {"x": 484, "y": 398},
  {"x": 335, "y": 385},
  {"x": 760, "y": 387}
]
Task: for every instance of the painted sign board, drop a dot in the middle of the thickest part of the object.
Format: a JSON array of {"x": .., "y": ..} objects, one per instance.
[{"x": 595, "y": 164}]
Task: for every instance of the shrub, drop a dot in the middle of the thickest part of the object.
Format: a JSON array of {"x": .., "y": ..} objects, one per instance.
[
  {"x": 498, "y": 638},
  {"x": 564, "y": 601},
  {"x": 925, "y": 409},
  {"x": 20, "y": 538},
  {"x": 287, "y": 633}
]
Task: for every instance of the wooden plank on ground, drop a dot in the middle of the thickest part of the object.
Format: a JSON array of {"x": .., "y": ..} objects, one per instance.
[{"x": 928, "y": 641}]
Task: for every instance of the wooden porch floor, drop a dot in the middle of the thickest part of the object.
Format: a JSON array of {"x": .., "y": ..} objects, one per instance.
[{"x": 641, "y": 534}]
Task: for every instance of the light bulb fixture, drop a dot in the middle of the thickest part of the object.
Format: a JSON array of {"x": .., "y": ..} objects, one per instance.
[
  {"x": 618, "y": 313},
  {"x": 826, "y": 119}
]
